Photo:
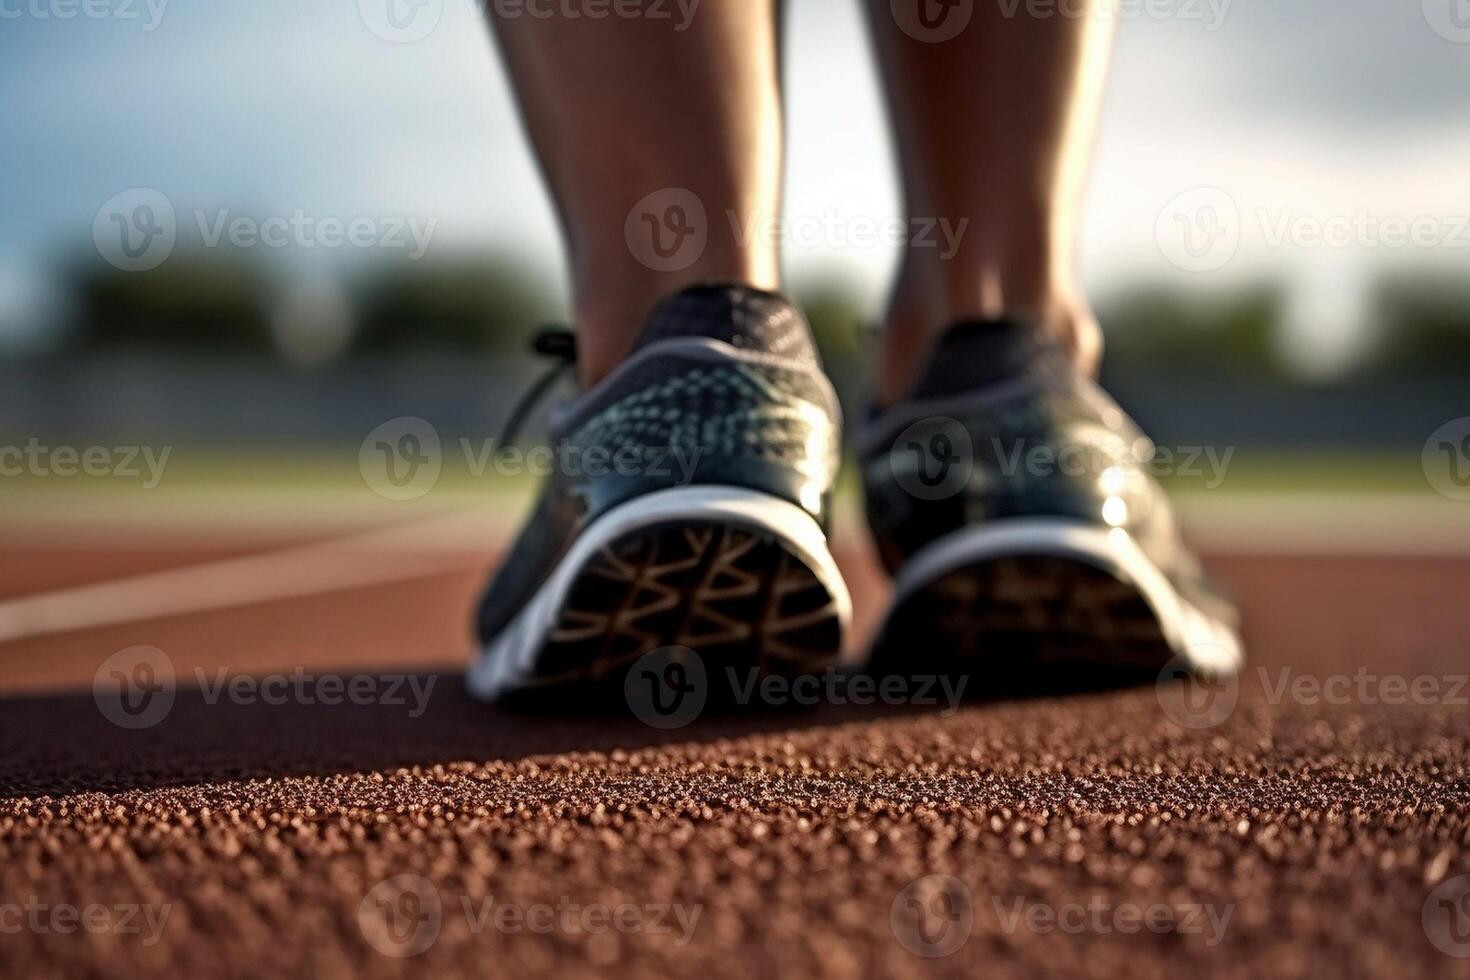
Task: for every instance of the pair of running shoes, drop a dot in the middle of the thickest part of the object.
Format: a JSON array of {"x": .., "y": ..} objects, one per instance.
[{"x": 1010, "y": 498}]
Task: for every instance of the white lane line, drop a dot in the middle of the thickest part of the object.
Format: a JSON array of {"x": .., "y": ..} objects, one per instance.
[
  {"x": 445, "y": 543},
  {"x": 1361, "y": 524},
  {"x": 1348, "y": 524}
]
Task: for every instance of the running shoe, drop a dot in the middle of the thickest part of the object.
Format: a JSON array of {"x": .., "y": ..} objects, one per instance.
[
  {"x": 685, "y": 509},
  {"x": 1014, "y": 503}
]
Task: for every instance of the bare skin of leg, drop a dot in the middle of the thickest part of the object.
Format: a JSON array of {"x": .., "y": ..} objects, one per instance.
[
  {"x": 621, "y": 108},
  {"x": 993, "y": 126}
]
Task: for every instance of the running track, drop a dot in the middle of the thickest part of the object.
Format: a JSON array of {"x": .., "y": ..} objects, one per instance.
[{"x": 1319, "y": 829}]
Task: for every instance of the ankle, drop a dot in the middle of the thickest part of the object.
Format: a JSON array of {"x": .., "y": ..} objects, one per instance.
[
  {"x": 921, "y": 312},
  {"x": 611, "y": 316}
]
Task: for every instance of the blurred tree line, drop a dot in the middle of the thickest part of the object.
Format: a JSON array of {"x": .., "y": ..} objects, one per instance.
[
  {"x": 1419, "y": 325},
  {"x": 489, "y": 305},
  {"x": 1155, "y": 328},
  {"x": 469, "y": 304}
]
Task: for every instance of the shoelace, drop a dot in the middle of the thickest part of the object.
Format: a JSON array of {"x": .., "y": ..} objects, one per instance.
[{"x": 554, "y": 342}]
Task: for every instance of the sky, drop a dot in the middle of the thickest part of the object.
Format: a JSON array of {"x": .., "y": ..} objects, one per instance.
[{"x": 1314, "y": 142}]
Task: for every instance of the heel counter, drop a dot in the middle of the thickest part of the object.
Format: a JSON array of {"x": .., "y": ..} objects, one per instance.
[
  {"x": 1036, "y": 453},
  {"x": 730, "y": 420}
]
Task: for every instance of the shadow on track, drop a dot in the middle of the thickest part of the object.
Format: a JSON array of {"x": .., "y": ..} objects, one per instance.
[{"x": 63, "y": 744}]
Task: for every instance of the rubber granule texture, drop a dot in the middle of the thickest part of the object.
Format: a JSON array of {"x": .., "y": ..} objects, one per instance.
[{"x": 1091, "y": 835}]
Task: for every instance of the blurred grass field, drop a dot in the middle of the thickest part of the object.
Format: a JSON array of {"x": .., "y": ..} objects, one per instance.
[
  {"x": 334, "y": 472},
  {"x": 1263, "y": 496}
]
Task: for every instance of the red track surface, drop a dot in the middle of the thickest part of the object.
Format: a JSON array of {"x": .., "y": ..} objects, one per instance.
[{"x": 1319, "y": 829}]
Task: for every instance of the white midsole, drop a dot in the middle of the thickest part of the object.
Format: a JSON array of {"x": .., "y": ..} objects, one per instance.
[
  {"x": 507, "y": 661},
  {"x": 1208, "y": 645}
]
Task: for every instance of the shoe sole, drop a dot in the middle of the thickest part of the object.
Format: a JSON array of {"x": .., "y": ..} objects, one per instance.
[
  {"x": 740, "y": 578},
  {"x": 1037, "y": 605}
]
